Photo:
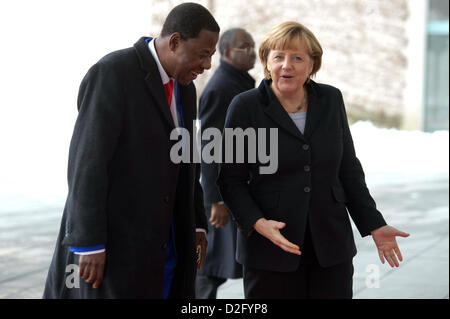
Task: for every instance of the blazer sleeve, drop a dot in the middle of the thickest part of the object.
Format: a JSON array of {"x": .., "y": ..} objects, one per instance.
[
  {"x": 200, "y": 216},
  {"x": 96, "y": 133},
  {"x": 234, "y": 177},
  {"x": 360, "y": 205},
  {"x": 212, "y": 111}
]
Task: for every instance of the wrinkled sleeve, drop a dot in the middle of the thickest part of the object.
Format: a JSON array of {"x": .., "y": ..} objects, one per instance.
[
  {"x": 234, "y": 177},
  {"x": 361, "y": 206},
  {"x": 212, "y": 112},
  {"x": 94, "y": 140}
]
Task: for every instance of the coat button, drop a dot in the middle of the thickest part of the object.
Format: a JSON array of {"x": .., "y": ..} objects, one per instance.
[
  {"x": 305, "y": 147},
  {"x": 166, "y": 199},
  {"x": 307, "y": 189},
  {"x": 307, "y": 168}
]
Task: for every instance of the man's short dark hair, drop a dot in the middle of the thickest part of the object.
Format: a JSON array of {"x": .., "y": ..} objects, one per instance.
[
  {"x": 228, "y": 39},
  {"x": 188, "y": 19}
]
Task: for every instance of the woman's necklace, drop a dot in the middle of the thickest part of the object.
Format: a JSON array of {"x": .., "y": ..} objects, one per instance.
[{"x": 301, "y": 104}]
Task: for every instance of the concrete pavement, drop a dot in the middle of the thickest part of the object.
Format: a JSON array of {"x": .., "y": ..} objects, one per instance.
[
  {"x": 27, "y": 241},
  {"x": 422, "y": 210}
]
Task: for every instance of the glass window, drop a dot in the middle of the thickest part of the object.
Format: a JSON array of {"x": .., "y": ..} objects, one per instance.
[
  {"x": 437, "y": 67},
  {"x": 438, "y": 10}
]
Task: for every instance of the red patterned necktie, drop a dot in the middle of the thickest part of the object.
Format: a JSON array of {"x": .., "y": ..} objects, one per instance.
[{"x": 168, "y": 87}]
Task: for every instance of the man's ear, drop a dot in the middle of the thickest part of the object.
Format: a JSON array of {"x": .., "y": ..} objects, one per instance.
[
  {"x": 227, "y": 53},
  {"x": 174, "y": 41}
]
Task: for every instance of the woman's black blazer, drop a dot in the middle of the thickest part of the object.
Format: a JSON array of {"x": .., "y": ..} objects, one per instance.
[{"x": 318, "y": 178}]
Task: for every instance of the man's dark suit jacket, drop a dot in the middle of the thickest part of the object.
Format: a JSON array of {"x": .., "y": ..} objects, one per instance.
[
  {"x": 225, "y": 84},
  {"x": 124, "y": 190},
  {"x": 318, "y": 178}
]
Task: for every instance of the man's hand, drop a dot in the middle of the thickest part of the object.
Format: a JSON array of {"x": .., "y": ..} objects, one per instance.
[
  {"x": 219, "y": 215},
  {"x": 271, "y": 230},
  {"x": 200, "y": 243},
  {"x": 91, "y": 268},
  {"x": 384, "y": 238}
]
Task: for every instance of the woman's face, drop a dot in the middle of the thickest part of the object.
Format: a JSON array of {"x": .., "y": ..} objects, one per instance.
[{"x": 289, "y": 68}]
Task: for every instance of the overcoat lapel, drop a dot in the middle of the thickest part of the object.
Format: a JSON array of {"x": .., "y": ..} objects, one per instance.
[
  {"x": 185, "y": 103},
  {"x": 153, "y": 80},
  {"x": 277, "y": 113},
  {"x": 315, "y": 110}
]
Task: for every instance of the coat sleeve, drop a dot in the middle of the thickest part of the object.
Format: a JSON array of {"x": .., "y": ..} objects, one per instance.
[
  {"x": 96, "y": 133},
  {"x": 200, "y": 216},
  {"x": 361, "y": 206},
  {"x": 212, "y": 111},
  {"x": 234, "y": 177}
]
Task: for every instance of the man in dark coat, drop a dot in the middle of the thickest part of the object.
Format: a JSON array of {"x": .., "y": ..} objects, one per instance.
[
  {"x": 236, "y": 48},
  {"x": 129, "y": 223}
]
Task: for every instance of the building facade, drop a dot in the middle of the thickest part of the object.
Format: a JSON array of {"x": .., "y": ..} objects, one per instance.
[{"x": 388, "y": 57}]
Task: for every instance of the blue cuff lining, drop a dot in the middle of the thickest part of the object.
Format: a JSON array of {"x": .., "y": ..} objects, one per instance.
[{"x": 87, "y": 248}]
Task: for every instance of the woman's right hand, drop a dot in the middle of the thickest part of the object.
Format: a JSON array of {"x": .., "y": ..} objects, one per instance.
[{"x": 271, "y": 230}]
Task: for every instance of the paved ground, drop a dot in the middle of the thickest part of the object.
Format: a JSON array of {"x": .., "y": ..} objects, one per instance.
[
  {"x": 27, "y": 240},
  {"x": 421, "y": 210}
]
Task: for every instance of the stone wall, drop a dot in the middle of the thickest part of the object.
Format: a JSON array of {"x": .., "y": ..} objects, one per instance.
[{"x": 364, "y": 43}]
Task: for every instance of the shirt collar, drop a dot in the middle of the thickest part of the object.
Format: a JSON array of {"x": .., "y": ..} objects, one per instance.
[{"x": 165, "y": 78}]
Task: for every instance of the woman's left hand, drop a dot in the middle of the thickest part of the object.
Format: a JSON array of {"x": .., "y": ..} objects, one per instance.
[{"x": 384, "y": 238}]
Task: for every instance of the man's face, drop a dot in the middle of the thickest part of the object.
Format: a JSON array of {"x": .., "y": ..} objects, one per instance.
[
  {"x": 193, "y": 56},
  {"x": 242, "y": 56}
]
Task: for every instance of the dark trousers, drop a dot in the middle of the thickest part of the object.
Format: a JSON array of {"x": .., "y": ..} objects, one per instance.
[
  {"x": 309, "y": 281},
  {"x": 206, "y": 286}
]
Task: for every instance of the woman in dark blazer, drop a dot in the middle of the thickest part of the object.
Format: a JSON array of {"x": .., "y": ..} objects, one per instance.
[{"x": 295, "y": 238}]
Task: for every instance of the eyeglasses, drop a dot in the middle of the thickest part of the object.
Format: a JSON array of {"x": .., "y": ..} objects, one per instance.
[{"x": 247, "y": 50}]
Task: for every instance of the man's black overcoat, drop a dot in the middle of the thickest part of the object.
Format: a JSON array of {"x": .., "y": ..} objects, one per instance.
[{"x": 124, "y": 189}]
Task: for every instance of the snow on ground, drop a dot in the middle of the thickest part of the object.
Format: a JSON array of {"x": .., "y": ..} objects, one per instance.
[
  {"x": 405, "y": 161},
  {"x": 388, "y": 156},
  {"x": 391, "y": 156}
]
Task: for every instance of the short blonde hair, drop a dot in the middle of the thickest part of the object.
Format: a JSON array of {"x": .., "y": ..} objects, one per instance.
[{"x": 282, "y": 36}]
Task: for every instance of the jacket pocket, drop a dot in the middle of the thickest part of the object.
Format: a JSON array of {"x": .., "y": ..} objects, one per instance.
[{"x": 339, "y": 194}]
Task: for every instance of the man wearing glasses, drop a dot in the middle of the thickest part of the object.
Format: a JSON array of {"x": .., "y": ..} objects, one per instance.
[{"x": 236, "y": 47}]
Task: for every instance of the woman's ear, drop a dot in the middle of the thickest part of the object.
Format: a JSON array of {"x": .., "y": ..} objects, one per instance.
[
  {"x": 268, "y": 74},
  {"x": 311, "y": 68}
]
